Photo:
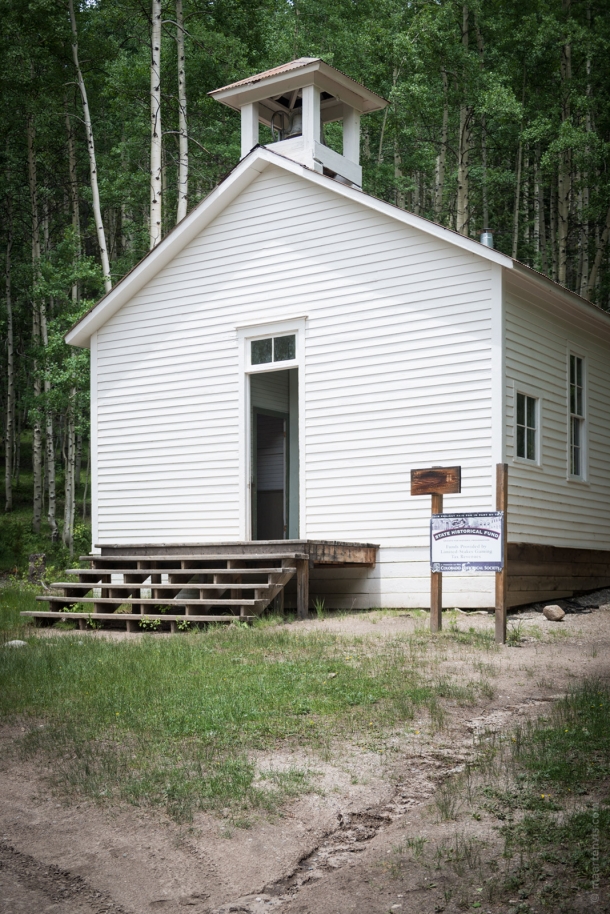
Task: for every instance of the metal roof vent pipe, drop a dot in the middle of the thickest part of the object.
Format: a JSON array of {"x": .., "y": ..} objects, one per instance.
[{"x": 487, "y": 238}]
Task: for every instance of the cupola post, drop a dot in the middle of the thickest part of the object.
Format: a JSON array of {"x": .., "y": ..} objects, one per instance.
[{"x": 249, "y": 128}]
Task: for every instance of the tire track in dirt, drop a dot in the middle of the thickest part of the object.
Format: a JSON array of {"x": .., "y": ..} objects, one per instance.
[{"x": 27, "y": 885}]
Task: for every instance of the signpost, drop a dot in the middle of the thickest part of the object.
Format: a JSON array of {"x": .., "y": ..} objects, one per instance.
[
  {"x": 436, "y": 481},
  {"x": 469, "y": 543}
]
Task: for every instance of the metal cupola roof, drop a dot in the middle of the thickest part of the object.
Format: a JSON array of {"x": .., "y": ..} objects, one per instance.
[{"x": 290, "y": 77}]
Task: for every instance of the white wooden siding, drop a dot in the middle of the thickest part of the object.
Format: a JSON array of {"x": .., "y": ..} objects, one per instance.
[
  {"x": 544, "y": 506},
  {"x": 398, "y": 375}
]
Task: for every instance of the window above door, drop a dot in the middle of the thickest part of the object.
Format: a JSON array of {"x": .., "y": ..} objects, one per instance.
[{"x": 273, "y": 349}]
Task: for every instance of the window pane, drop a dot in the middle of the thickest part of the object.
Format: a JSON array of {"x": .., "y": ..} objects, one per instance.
[
  {"x": 520, "y": 441},
  {"x": 284, "y": 348},
  {"x": 261, "y": 351},
  {"x": 579, "y": 371},
  {"x": 531, "y": 412},
  {"x": 520, "y": 409},
  {"x": 531, "y": 444},
  {"x": 578, "y": 401},
  {"x": 572, "y": 369}
]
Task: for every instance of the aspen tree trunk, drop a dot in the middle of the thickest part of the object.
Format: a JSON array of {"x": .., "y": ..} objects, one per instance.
[
  {"x": 79, "y": 460},
  {"x": 400, "y": 197},
  {"x": 553, "y": 229},
  {"x": 536, "y": 206},
  {"x": 441, "y": 159},
  {"x": 484, "y": 199},
  {"x": 49, "y": 441},
  {"x": 97, "y": 209},
  {"x": 517, "y": 201},
  {"x": 9, "y": 432},
  {"x": 73, "y": 175},
  {"x": 36, "y": 426},
  {"x": 183, "y": 147},
  {"x": 86, "y": 482},
  {"x": 584, "y": 230},
  {"x": 564, "y": 178},
  {"x": 462, "y": 215},
  {"x": 526, "y": 198},
  {"x": 156, "y": 188},
  {"x": 70, "y": 464}
]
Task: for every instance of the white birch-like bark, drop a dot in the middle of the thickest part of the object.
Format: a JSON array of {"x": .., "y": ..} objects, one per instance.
[
  {"x": 517, "y": 201},
  {"x": 37, "y": 385},
  {"x": 95, "y": 194},
  {"x": 156, "y": 164},
  {"x": 73, "y": 176},
  {"x": 9, "y": 432},
  {"x": 183, "y": 143},
  {"x": 69, "y": 477},
  {"x": 49, "y": 440},
  {"x": 439, "y": 176}
]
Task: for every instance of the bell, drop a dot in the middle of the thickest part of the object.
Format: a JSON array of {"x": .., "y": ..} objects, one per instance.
[{"x": 295, "y": 127}]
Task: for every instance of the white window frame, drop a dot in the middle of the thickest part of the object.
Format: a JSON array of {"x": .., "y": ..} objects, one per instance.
[
  {"x": 536, "y": 395},
  {"x": 584, "y": 475},
  {"x": 245, "y": 335}
]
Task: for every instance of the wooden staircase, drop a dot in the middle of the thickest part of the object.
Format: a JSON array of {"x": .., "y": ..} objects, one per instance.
[{"x": 152, "y": 591}]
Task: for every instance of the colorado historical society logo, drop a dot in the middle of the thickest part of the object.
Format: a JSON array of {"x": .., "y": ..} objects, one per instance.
[{"x": 467, "y": 542}]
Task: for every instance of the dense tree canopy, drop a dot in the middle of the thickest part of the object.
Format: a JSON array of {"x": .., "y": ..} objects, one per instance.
[{"x": 499, "y": 118}]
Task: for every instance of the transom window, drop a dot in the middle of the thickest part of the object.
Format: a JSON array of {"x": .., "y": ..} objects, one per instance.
[
  {"x": 577, "y": 413},
  {"x": 273, "y": 349},
  {"x": 527, "y": 427}
]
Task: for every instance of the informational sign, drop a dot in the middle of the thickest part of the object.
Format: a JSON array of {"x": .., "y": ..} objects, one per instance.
[
  {"x": 467, "y": 542},
  {"x": 436, "y": 481}
]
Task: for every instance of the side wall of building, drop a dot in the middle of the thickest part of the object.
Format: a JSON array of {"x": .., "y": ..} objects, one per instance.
[
  {"x": 398, "y": 373},
  {"x": 546, "y": 506}
]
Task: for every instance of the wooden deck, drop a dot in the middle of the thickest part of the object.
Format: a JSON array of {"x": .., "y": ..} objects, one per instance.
[{"x": 151, "y": 586}]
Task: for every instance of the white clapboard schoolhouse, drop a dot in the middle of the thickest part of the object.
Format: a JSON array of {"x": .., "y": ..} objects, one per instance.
[{"x": 266, "y": 378}]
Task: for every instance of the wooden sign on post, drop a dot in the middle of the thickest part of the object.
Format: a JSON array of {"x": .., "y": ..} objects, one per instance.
[
  {"x": 436, "y": 481},
  {"x": 487, "y": 530}
]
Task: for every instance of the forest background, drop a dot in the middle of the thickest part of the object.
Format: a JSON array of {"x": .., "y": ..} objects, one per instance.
[{"x": 499, "y": 119}]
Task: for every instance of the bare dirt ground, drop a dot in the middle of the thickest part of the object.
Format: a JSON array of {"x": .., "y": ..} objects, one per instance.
[{"x": 332, "y": 851}]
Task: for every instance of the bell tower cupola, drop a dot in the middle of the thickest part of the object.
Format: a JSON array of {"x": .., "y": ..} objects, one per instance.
[{"x": 295, "y": 101}]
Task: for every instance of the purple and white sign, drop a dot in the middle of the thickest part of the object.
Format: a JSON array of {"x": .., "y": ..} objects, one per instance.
[{"x": 467, "y": 542}]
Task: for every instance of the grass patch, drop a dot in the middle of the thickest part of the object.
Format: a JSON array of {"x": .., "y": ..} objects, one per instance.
[
  {"x": 15, "y": 599},
  {"x": 174, "y": 722}
]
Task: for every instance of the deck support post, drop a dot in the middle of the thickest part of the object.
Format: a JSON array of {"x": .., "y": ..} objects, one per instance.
[
  {"x": 302, "y": 588},
  {"x": 436, "y": 580},
  {"x": 502, "y": 576}
]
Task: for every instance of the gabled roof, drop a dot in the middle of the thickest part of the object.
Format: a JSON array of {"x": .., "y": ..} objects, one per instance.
[{"x": 242, "y": 175}]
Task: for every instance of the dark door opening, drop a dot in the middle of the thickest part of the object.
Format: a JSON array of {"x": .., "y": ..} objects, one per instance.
[{"x": 270, "y": 463}]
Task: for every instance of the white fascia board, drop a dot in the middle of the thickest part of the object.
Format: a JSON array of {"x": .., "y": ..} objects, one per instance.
[
  {"x": 248, "y": 169},
  {"x": 560, "y": 300}
]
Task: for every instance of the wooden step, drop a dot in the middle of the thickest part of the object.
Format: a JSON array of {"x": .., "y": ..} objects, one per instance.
[
  {"x": 217, "y": 557},
  {"x": 142, "y": 585},
  {"x": 182, "y": 571},
  {"x": 147, "y": 601},
  {"x": 135, "y": 618}
]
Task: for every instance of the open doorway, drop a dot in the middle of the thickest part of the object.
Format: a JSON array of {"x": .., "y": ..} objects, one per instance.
[{"x": 274, "y": 455}]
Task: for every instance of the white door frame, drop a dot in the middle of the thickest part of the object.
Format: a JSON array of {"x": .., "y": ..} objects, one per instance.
[{"x": 245, "y": 335}]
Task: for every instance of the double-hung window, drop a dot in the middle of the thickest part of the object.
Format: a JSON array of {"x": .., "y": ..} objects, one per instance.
[
  {"x": 577, "y": 417},
  {"x": 527, "y": 427}
]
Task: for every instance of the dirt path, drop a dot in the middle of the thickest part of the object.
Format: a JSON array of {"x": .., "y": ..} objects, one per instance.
[{"x": 332, "y": 851}]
